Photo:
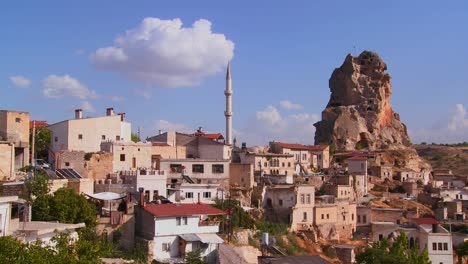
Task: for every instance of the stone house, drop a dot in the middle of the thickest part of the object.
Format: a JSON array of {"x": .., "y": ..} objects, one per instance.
[
  {"x": 334, "y": 219},
  {"x": 341, "y": 191},
  {"x": 424, "y": 233},
  {"x": 303, "y": 160},
  {"x": 383, "y": 172},
  {"x": 241, "y": 175},
  {"x": 190, "y": 193},
  {"x": 358, "y": 182},
  {"x": 14, "y": 142},
  {"x": 87, "y": 134},
  {"x": 271, "y": 165},
  {"x": 323, "y": 155},
  {"x": 290, "y": 204}
]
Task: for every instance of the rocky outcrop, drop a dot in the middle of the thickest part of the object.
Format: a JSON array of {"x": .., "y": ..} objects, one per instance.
[{"x": 359, "y": 115}]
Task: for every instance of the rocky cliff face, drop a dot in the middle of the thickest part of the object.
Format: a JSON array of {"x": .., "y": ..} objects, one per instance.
[{"x": 359, "y": 115}]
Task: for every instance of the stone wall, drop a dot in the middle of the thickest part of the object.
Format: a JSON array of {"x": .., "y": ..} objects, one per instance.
[{"x": 7, "y": 164}]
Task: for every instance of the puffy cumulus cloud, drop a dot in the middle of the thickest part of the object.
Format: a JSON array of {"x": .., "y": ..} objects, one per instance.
[
  {"x": 451, "y": 129},
  {"x": 166, "y": 126},
  {"x": 55, "y": 86},
  {"x": 288, "y": 105},
  {"x": 269, "y": 124},
  {"x": 166, "y": 54},
  {"x": 20, "y": 81}
]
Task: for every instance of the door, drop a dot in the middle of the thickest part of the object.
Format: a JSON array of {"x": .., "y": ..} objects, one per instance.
[{"x": 134, "y": 162}]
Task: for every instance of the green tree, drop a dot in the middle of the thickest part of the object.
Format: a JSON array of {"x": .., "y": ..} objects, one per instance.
[
  {"x": 399, "y": 252},
  {"x": 37, "y": 186},
  {"x": 194, "y": 257},
  {"x": 135, "y": 138},
  {"x": 42, "y": 143},
  {"x": 65, "y": 206},
  {"x": 462, "y": 251}
]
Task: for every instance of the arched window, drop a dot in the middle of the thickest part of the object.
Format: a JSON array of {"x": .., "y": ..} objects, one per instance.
[{"x": 411, "y": 242}]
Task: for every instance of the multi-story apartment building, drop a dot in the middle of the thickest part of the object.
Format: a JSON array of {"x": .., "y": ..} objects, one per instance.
[
  {"x": 87, "y": 134},
  {"x": 14, "y": 142}
]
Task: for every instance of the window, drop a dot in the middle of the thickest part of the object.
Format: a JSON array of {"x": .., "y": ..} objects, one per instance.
[
  {"x": 280, "y": 202},
  {"x": 117, "y": 138},
  {"x": 323, "y": 216},
  {"x": 302, "y": 199},
  {"x": 305, "y": 216},
  {"x": 380, "y": 237},
  {"x": 189, "y": 195},
  {"x": 319, "y": 156},
  {"x": 67, "y": 164},
  {"x": 175, "y": 168},
  {"x": 266, "y": 164},
  {"x": 439, "y": 246},
  {"x": 328, "y": 216},
  {"x": 103, "y": 137},
  {"x": 289, "y": 164},
  {"x": 308, "y": 198},
  {"x": 283, "y": 164},
  {"x": 122, "y": 157},
  {"x": 364, "y": 219},
  {"x": 80, "y": 136},
  {"x": 434, "y": 246},
  {"x": 55, "y": 139},
  {"x": 359, "y": 219},
  {"x": 206, "y": 194},
  {"x": 217, "y": 168},
  {"x": 147, "y": 195},
  {"x": 166, "y": 247},
  {"x": 177, "y": 221},
  {"x": 197, "y": 168},
  {"x": 352, "y": 217},
  {"x": 18, "y": 120},
  {"x": 446, "y": 246},
  {"x": 185, "y": 220},
  {"x": 155, "y": 195}
]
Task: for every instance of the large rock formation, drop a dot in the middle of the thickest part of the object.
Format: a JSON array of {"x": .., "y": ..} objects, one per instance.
[{"x": 359, "y": 115}]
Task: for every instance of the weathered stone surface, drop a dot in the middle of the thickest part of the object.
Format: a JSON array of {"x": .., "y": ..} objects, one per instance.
[{"x": 359, "y": 115}]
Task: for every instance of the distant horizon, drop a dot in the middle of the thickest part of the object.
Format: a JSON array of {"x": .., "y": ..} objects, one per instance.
[{"x": 164, "y": 63}]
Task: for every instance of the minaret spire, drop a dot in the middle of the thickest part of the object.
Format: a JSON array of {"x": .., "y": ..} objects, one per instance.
[{"x": 228, "y": 112}]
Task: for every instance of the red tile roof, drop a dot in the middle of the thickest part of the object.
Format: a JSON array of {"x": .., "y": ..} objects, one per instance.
[
  {"x": 167, "y": 210},
  {"x": 291, "y": 146},
  {"x": 38, "y": 124},
  {"x": 318, "y": 147},
  {"x": 213, "y": 136},
  {"x": 425, "y": 221}
]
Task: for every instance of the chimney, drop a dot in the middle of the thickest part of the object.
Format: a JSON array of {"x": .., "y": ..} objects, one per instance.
[
  {"x": 142, "y": 203},
  {"x": 122, "y": 116},
  {"x": 78, "y": 113},
  {"x": 244, "y": 145},
  {"x": 159, "y": 132},
  {"x": 110, "y": 111}
]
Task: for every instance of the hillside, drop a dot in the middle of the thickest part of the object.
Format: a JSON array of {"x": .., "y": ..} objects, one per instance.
[{"x": 445, "y": 157}]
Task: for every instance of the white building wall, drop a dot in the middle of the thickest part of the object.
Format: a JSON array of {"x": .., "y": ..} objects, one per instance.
[
  {"x": 166, "y": 226},
  {"x": 158, "y": 251},
  {"x": 5, "y": 215},
  {"x": 152, "y": 183},
  {"x": 187, "y": 163},
  {"x": 198, "y": 190},
  {"x": 440, "y": 256}
]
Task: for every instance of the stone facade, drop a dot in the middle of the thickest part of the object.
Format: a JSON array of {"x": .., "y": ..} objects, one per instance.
[
  {"x": 334, "y": 219},
  {"x": 241, "y": 175},
  {"x": 14, "y": 128},
  {"x": 7, "y": 161}
]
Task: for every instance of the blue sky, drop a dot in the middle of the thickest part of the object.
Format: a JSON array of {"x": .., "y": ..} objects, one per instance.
[{"x": 281, "y": 51}]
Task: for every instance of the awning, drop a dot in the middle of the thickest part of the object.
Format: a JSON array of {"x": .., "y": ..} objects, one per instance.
[
  {"x": 210, "y": 238},
  {"x": 106, "y": 196},
  {"x": 204, "y": 238},
  {"x": 190, "y": 237}
]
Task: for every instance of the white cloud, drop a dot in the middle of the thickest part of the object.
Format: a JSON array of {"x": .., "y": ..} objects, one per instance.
[
  {"x": 20, "y": 81},
  {"x": 166, "y": 126},
  {"x": 286, "y": 104},
  {"x": 55, "y": 86},
  {"x": 452, "y": 129},
  {"x": 86, "y": 106},
  {"x": 163, "y": 53},
  {"x": 269, "y": 124},
  {"x": 143, "y": 92}
]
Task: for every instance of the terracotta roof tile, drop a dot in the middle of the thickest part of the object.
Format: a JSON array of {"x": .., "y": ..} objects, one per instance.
[
  {"x": 38, "y": 124},
  {"x": 357, "y": 158},
  {"x": 425, "y": 221},
  {"x": 167, "y": 210}
]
